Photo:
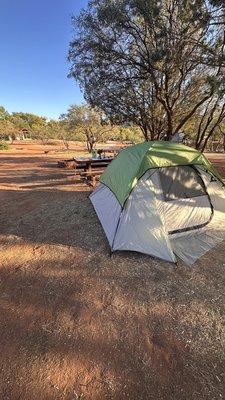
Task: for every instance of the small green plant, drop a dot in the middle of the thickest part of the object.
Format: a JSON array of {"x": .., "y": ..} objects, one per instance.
[{"x": 4, "y": 146}]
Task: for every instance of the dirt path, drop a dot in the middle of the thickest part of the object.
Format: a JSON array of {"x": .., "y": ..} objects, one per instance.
[{"x": 75, "y": 324}]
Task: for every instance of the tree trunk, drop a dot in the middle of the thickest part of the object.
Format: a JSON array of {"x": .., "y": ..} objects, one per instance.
[
  {"x": 169, "y": 133},
  {"x": 44, "y": 141},
  {"x": 65, "y": 143},
  {"x": 91, "y": 145},
  {"x": 144, "y": 131},
  {"x": 207, "y": 138},
  {"x": 10, "y": 139},
  {"x": 90, "y": 141},
  {"x": 88, "y": 146},
  {"x": 224, "y": 143},
  {"x": 223, "y": 135}
]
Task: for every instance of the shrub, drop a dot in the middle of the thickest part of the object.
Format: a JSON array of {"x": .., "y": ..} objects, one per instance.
[{"x": 4, "y": 146}]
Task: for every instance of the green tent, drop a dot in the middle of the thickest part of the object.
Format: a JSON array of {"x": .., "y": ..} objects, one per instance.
[
  {"x": 163, "y": 199},
  {"x": 132, "y": 163}
]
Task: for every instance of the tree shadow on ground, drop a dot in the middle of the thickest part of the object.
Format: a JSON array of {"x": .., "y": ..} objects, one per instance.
[
  {"x": 72, "y": 330},
  {"x": 73, "y": 321},
  {"x": 51, "y": 217}
]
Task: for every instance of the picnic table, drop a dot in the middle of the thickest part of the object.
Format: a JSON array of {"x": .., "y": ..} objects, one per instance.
[
  {"x": 90, "y": 163},
  {"x": 91, "y": 168}
]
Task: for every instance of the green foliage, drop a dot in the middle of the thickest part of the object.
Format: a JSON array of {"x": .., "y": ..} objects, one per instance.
[
  {"x": 80, "y": 123},
  {"x": 126, "y": 133},
  {"x": 27, "y": 120},
  {"x": 86, "y": 123},
  {"x": 7, "y": 130},
  {"x": 151, "y": 63},
  {"x": 4, "y": 146},
  {"x": 3, "y": 113}
]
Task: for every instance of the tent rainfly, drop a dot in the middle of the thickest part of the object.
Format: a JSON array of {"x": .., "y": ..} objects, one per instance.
[{"x": 163, "y": 199}]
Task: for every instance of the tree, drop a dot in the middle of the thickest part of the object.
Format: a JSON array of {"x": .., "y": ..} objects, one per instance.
[
  {"x": 218, "y": 17},
  {"x": 52, "y": 129},
  {"x": 222, "y": 133},
  {"x": 4, "y": 115},
  {"x": 27, "y": 120},
  {"x": 58, "y": 130},
  {"x": 8, "y": 130},
  {"x": 89, "y": 121},
  {"x": 152, "y": 63},
  {"x": 211, "y": 119},
  {"x": 22, "y": 122},
  {"x": 42, "y": 132}
]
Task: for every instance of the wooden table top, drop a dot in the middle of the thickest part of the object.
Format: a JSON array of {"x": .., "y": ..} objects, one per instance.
[{"x": 91, "y": 160}]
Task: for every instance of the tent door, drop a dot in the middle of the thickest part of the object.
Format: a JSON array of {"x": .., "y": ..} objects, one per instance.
[{"x": 185, "y": 204}]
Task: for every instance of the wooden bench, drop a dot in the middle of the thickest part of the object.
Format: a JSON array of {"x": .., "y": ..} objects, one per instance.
[
  {"x": 91, "y": 176},
  {"x": 89, "y": 169},
  {"x": 70, "y": 164}
]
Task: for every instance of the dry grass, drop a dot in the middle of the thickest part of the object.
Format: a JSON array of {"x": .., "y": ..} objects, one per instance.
[{"x": 75, "y": 324}]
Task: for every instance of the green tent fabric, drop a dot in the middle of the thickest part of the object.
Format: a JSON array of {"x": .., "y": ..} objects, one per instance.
[{"x": 131, "y": 163}]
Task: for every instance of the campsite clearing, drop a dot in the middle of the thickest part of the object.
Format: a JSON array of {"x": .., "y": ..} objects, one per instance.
[{"x": 75, "y": 324}]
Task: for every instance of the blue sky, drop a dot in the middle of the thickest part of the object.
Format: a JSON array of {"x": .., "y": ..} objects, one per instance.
[{"x": 35, "y": 36}]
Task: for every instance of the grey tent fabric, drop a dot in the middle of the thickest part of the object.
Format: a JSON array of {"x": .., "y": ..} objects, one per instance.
[
  {"x": 191, "y": 246},
  {"x": 181, "y": 182},
  {"x": 161, "y": 208},
  {"x": 140, "y": 227},
  {"x": 108, "y": 210},
  {"x": 185, "y": 214},
  {"x": 181, "y": 213}
]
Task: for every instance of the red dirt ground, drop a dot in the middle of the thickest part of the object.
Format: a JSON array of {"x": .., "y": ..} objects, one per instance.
[{"x": 75, "y": 324}]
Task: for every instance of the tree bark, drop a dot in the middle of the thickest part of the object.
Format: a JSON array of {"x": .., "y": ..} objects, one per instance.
[
  {"x": 65, "y": 143},
  {"x": 170, "y": 125}
]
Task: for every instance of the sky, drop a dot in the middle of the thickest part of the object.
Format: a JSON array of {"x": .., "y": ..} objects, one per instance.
[{"x": 34, "y": 43}]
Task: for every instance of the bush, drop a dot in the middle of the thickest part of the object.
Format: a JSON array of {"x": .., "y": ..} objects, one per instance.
[{"x": 4, "y": 146}]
